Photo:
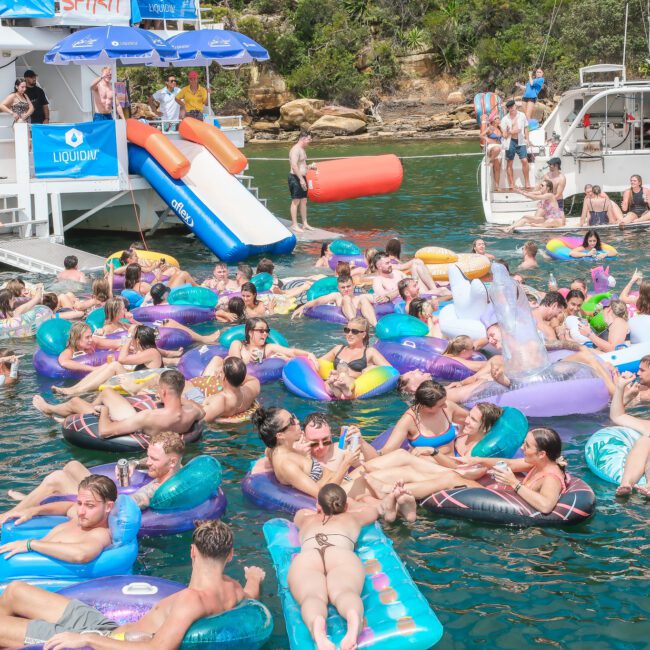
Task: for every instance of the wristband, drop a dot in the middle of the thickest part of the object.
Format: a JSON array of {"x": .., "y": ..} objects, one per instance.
[
  {"x": 518, "y": 487},
  {"x": 29, "y": 545},
  {"x": 436, "y": 451}
]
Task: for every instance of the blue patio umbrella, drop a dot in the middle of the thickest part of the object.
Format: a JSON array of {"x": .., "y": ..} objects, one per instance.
[
  {"x": 202, "y": 46},
  {"x": 110, "y": 44}
]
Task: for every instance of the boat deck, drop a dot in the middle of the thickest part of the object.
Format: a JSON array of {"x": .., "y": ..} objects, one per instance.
[{"x": 42, "y": 256}]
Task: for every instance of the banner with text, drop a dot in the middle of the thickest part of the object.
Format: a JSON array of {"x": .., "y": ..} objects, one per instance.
[
  {"x": 95, "y": 12},
  {"x": 26, "y": 8},
  {"x": 74, "y": 150},
  {"x": 168, "y": 9}
]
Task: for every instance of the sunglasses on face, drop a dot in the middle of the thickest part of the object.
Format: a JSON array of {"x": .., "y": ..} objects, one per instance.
[
  {"x": 352, "y": 330},
  {"x": 293, "y": 420},
  {"x": 264, "y": 331},
  {"x": 324, "y": 443},
  {"x": 172, "y": 81}
]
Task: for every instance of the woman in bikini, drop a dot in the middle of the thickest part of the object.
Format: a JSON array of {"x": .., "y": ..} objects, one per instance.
[
  {"x": 18, "y": 104},
  {"x": 591, "y": 247},
  {"x": 254, "y": 348},
  {"x": 352, "y": 359},
  {"x": 8, "y": 307},
  {"x": 548, "y": 215},
  {"x": 138, "y": 350},
  {"x": 327, "y": 570},
  {"x": 252, "y": 306},
  {"x": 430, "y": 417}
]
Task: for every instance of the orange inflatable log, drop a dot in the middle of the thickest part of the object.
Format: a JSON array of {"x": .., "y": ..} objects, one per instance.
[
  {"x": 161, "y": 148},
  {"x": 351, "y": 178},
  {"x": 215, "y": 141}
]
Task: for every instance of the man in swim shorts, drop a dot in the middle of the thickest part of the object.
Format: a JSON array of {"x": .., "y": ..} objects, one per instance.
[
  {"x": 80, "y": 539},
  {"x": 515, "y": 129},
  {"x": 32, "y": 615},
  {"x": 298, "y": 182},
  {"x": 225, "y": 389},
  {"x": 118, "y": 417},
  {"x": 163, "y": 460}
]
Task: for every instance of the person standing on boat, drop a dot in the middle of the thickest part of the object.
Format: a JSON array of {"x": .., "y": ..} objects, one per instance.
[
  {"x": 298, "y": 182},
  {"x": 168, "y": 108},
  {"x": 36, "y": 94},
  {"x": 515, "y": 129},
  {"x": 18, "y": 104},
  {"x": 192, "y": 98},
  {"x": 104, "y": 96},
  {"x": 555, "y": 175},
  {"x": 531, "y": 90}
]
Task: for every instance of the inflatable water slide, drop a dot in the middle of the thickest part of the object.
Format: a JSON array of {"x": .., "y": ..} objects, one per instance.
[{"x": 195, "y": 176}]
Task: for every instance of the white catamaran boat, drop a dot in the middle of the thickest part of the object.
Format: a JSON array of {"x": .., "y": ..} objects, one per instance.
[{"x": 600, "y": 131}]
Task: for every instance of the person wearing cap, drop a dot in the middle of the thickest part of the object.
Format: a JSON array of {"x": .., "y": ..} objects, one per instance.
[
  {"x": 168, "y": 108},
  {"x": 515, "y": 130},
  {"x": 531, "y": 90},
  {"x": 192, "y": 98},
  {"x": 555, "y": 175},
  {"x": 36, "y": 94}
]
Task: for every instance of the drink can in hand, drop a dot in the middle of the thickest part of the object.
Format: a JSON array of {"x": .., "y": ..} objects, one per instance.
[{"x": 123, "y": 477}]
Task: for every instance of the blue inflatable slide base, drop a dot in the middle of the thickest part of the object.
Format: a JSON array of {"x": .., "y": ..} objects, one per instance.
[{"x": 196, "y": 215}]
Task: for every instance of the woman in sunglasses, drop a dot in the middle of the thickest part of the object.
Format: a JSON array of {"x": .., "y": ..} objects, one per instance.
[
  {"x": 352, "y": 359},
  {"x": 286, "y": 450},
  {"x": 254, "y": 348}
]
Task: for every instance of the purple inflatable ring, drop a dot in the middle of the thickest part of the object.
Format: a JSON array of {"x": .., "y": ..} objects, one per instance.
[
  {"x": 358, "y": 260},
  {"x": 167, "y": 338},
  {"x": 565, "y": 388},
  {"x": 417, "y": 353},
  {"x": 159, "y": 523},
  {"x": 149, "y": 278},
  {"x": 193, "y": 363},
  {"x": 184, "y": 314},
  {"x": 333, "y": 314},
  {"x": 48, "y": 365}
]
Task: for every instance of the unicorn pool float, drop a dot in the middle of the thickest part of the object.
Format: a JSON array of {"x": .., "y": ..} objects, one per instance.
[
  {"x": 537, "y": 387},
  {"x": 463, "y": 316}
]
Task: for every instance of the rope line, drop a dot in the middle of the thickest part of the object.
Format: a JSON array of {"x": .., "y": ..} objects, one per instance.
[{"x": 439, "y": 155}]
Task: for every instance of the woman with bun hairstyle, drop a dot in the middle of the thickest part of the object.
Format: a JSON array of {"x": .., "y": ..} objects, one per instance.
[{"x": 327, "y": 570}]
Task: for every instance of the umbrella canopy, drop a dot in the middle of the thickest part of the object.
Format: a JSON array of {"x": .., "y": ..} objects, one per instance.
[
  {"x": 109, "y": 45},
  {"x": 202, "y": 46}
]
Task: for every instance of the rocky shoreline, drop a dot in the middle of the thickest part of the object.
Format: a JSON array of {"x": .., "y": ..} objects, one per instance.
[{"x": 407, "y": 120}]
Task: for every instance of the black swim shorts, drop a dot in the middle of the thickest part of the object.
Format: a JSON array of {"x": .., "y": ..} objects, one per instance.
[{"x": 295, "y": 189}]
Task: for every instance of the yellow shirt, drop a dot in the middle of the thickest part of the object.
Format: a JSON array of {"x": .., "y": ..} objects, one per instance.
[{"x": 193, "y": 102}]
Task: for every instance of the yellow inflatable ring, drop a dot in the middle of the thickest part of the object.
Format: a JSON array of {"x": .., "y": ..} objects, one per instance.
[
  {"x": 149, "y": 256},
  {"x": 471, "y": 264},
  {"x": 436, "y": 255}
]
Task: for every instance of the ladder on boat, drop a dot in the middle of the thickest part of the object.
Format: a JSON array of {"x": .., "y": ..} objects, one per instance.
[{"x": 22, "y": 249}]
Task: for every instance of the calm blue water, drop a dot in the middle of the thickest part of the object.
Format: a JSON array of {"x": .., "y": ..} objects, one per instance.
[{"x": 584, "y": 587}]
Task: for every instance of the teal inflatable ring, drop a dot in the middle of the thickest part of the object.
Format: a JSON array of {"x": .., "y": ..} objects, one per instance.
[{"x": 236, "y": 333}]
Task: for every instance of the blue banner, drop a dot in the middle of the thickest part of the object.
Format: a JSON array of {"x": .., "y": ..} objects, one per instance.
[
  {"x": 74, "y": 150},
  {"x": 167, "y": 9},
  {"x": 26, "y": 8}
]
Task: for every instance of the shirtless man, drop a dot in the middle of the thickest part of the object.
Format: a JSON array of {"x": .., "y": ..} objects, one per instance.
[
  {"x": 104, "y": 95},
  {"x": 639, "y": 392},
  {"x": 79, "y": 540},
  {"x": 550, "y": 307},
  {"x": 344, "y": 298},
  {"x": 31, "y": 615},
  {"x": 220, "y": 281},
  {"x": 385, "y": 283},
  {"x": 163, "y": 460},
  {"x": 225, "y": 389},
  {"x": 298, "y": 182},
  {"x": 558, "y": 179},
  {"x": 318, "y": 435},
  {"x": 71, "y": 270},
  {"x": 117, "y": 417}
]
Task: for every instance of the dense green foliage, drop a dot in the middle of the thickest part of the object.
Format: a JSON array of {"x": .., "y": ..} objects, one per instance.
[{"x": 342, "y": 49}]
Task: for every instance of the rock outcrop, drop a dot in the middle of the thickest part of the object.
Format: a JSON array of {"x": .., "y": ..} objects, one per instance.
[{"x": 335, "y": 125}]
